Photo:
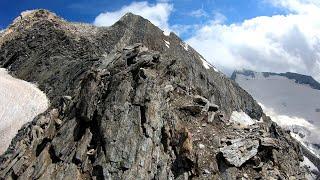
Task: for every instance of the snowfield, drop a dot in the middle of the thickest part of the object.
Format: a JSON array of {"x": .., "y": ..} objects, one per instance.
[
  {"x": 207, "y": 65},
  {"x": 167, "y": 43},
  {"x": 242, "y": 118},
  {"x": 20, "y": 102},
  {"x": 306, "y": 162},
  {"x": 288, "y": 103},
  {"x": 291, "y": 105}
]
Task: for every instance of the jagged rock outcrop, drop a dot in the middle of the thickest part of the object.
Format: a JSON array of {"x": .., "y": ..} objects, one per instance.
[{"x": 127, "y": 105}]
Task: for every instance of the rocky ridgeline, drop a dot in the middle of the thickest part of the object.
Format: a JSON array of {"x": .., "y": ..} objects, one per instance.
[{"x": 129, "y": 102}]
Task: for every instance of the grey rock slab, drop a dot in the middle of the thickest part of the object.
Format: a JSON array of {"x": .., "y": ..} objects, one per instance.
[{"x": 240, "y": 151}]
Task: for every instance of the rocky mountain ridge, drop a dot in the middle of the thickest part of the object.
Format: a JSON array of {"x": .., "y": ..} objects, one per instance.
[{"x": 128, "y": 102}]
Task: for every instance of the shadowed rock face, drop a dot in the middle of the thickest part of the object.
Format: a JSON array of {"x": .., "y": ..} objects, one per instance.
[{"x": 129, "y": 102}]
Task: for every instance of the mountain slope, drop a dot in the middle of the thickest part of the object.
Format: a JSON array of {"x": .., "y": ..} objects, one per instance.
[
  {"x": 129, "y": 102},
  {"x": 292, "y": 100}
]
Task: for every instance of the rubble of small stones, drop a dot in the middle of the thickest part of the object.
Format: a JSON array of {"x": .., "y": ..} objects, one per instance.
[{"x": 124, "y": 106}]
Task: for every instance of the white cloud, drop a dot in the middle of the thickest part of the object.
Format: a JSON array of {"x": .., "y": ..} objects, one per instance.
[
  {"x": 157, "y": 13},
  {"x": 267, "y": 43},
  {"x": 199, "y": 13},
  {"x": 300, "y": 6}
]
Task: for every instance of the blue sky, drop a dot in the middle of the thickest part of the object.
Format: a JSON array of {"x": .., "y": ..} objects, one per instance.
[
  {"x": 261, "y": 35},
  {"x": 87, "y": 10}
]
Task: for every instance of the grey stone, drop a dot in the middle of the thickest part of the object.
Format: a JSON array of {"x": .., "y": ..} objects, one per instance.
[
  {"x": 269, "y": 142},
  {"x": 240, "y": 151}
]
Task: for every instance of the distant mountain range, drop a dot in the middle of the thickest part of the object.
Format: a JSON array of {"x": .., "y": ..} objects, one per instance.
[
  {"x": 299, "y": 78},
  {"x": 290, "y": 99}
]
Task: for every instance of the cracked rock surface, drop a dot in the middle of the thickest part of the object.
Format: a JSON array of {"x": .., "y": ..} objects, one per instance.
[
  {"x": 127, "y": 106},
  {"x": 240, "y": 151}
]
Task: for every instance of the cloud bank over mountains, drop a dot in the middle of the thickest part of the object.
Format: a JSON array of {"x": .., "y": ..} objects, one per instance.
[{"x": 278, "y": 43}]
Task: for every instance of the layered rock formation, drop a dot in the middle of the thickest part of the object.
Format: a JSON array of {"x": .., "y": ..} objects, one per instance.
[{"x": 129, "y": 102}]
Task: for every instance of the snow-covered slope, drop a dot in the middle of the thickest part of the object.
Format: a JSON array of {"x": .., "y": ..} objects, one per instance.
[
  {"x": 20, "y": 102},
  {"x": 291, "y": 103}
]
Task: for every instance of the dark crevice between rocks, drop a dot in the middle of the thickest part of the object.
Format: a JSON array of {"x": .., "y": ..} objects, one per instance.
[
  {"x": 80, "y": 129},
  {"x": 76, "y": 161},
  {"x": 273, "y": 131},
  {"x": 222, "y": 163},
  {"x": 14, "y": 176},
  {"x": 181, "y": 165},
  {"x": 143, "y": 120},
  {"x": 202, "y": 76},
  {"x": 165, "y": 139},
  {"x": 42, "y": 145},
  {"x": 11, "y": 60},
  {"x": 191, "y": 110},
  {"x": 142, "y": 75},
  {"x": 97, "y": 172},
  {"x": 228, "y": 143},
  {"x": 202, "y": 103},
  {"x": 130, "y": 57},
  {"x": 265, "y": 153},
  {"x": 130, "y": 60},
  {"x": 94, "y": 124},
  {"x": 109, "y": 83},
  {"x": 97, "y": 140},
  {"x": 54, "y": 158},
  {"x": 156, "y": 58},
  {"x": 135, "y": 83},
  {"x": 123, "y": 169},
  {"x": 169, "y": 70}
]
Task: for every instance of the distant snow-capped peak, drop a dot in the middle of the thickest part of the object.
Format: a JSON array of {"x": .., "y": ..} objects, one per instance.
[{"x": 291, "y": 100}]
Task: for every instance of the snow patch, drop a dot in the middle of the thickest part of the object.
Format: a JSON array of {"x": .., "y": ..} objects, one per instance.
[
  {"x": 207, "y": 65},
  {"x": 242, "y": 118},
  {"x": 310, "y": 166},
  {"x": 167, "y": 43},
  {"x": 20, "y": 102},
  {"x": 185, "y": 46},
  {"x": 305, "y": 144},
  {"x": 166, "y": 33},
  {"x": 27, "y": 12}
]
